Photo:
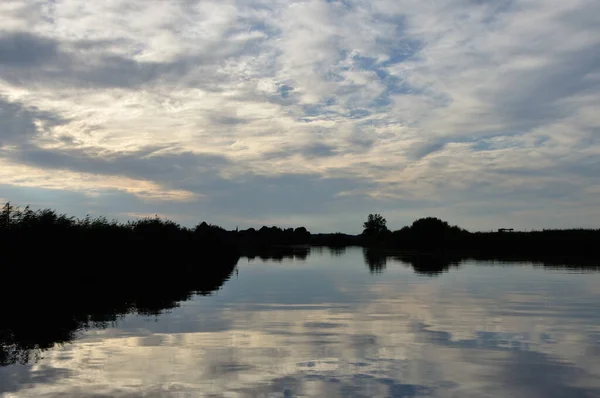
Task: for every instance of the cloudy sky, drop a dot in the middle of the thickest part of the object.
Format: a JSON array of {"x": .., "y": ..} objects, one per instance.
[{"x": 312, "y": 112}]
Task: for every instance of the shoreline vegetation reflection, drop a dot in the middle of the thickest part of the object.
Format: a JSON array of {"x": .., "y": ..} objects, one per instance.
[
  {"x": 102, "y": 299},
  {"x": 63, "y": 275}
]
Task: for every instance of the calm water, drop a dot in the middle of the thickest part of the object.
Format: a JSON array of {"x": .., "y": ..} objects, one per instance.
[{"x": 329, "y": 326}]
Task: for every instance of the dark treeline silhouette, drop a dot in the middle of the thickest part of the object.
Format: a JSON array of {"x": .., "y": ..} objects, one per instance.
[
  {"x": 432, "y": 235},
  {"x": 254, "y": 242},
  {"x": 432, "y": 246},
  {"x": 18, "y": 225},
  {"x": 426, "y": 235},
  {"x": 337, "y": 239}
]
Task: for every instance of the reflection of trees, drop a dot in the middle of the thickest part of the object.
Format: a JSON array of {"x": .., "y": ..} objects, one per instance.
[
  {"x": 52, "y": 298},
  {"x": 277, "y": 253},
  {"x": 436, "y": 264},
  {"x": 573, "y": 263},
  {"x": 336, "y": 251},
  {"x": 376, "y": 260},
  {"x": 430, "y": 265}
]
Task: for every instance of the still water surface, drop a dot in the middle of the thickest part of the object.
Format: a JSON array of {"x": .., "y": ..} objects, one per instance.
[{"x": 329, "y": 326}]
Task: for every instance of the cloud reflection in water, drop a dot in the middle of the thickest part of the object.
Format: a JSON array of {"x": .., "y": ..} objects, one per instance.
[{"x": 328, "y": 327}]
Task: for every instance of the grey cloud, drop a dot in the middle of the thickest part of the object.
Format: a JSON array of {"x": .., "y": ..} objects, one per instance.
[
  {"x": 310, "y": 151},
  {"x": 529, "y": 191},
  {"x": 318, "y": 151},
  {"x": 21, "y": 49},
  {"x": 285, "y": 194},
  {"x": 158, "y": 163},
  {"x": 26, "y": 59},
  {"x": 18, "y": 121},
  {"x": 356, "y": 143},
  {"x": 228, "y": 120},
  {"x": 246, "y": 196},
  {"x": 360, "y": 142},
  {"x": 67, "y": 139},
  {"x": 425, "y": 148},
  {"x": 421, "y": 150},
  {"x": 586, "y": 167},
  {"x": 534, "y": 97}
]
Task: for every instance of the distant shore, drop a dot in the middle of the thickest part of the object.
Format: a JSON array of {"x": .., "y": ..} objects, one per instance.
[{"x": 23, "y": 227}]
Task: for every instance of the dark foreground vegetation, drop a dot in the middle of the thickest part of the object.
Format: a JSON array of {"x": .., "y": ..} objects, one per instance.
[{"x": 61, "y": 275}]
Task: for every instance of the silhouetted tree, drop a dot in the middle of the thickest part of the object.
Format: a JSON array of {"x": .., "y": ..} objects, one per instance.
[
  {"x": 375, "y": 225},
  {"x": 301, "y": 235},
  {"x": 5, "y": 216},
  {"x": 429, "y": 234}
]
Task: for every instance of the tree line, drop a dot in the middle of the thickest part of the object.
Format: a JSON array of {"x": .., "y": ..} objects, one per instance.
[
  {"x": 433, "y": 235},
  {"x": 21, "y": 226}
]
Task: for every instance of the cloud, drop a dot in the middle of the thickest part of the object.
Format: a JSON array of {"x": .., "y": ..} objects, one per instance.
[
  {"x": 159, "y": 163},
  {"x": 27, "y": 59},
  {"x": 458, "y": 104},
  {"x": 19, "y": 123},
  {"x": 23, "y": 50}
]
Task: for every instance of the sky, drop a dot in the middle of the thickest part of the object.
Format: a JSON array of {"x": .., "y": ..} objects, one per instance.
[{"x": 316, "y": 113}]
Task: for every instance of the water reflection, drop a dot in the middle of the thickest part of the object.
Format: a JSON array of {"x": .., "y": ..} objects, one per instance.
[
  {"x": 325, "y": 326},
  {"x": 423, "y": 264},
  {"x": 375, "y": 259},
  {"x": 280, "y": 254},
  {"x": 337, "y": 251},
  {"x": 430, "y": 265},
  {"x": 54, "y": 313},
  {"x": 435, "y": 264}
]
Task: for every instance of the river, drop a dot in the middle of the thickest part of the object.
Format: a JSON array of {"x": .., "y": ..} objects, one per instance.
[{"x": 335, "y": 323}]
